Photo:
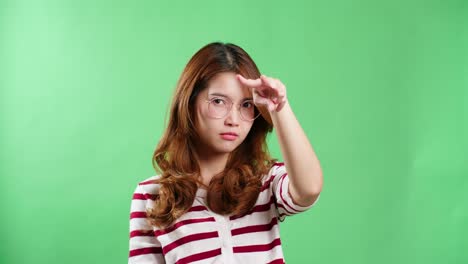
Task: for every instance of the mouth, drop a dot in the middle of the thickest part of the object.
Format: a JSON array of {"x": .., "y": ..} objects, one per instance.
[
  {"x": 229, "y": 136},
  {"x": 230, "y": 133}
]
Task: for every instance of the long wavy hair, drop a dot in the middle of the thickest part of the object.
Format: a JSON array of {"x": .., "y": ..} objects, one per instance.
[{"x": 235, "y": 190}]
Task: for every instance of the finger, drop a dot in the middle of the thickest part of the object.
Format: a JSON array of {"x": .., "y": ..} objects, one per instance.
[
  {"x": 281, "y": 105},
  {"x": 275, "y": 86},
  {"x": 280, "y": 87},
  {"x": 259, "y": 91},
  {"x": 267, "y": 81},
  {"x": 279, "y": 90},
  {"x": 249, "y": 82},
  {"x": 259, "y": 100},
  {"x": 264, "y": 90}
]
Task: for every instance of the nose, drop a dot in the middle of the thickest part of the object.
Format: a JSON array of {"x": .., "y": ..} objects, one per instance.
[{"x": 233, "y": 117}]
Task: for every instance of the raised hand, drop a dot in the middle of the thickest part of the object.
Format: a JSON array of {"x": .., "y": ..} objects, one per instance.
[{"x": 266, "y": 91}]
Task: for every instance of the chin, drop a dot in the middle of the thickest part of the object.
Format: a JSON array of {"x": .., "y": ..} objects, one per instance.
[
  {"x": 226, "y": 148},
  {"x": 221, "y": 146}
]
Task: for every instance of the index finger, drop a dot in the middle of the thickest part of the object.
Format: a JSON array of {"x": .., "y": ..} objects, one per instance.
[{"x": 255, "y": 83}]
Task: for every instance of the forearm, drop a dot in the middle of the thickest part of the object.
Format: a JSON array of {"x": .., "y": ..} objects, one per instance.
[{"x": 302, "y": 164}]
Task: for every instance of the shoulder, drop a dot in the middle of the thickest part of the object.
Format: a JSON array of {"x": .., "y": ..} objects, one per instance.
[
  {"x": 148, "y": 186},
  {"x": 146, "y": 192},
  {"x": 276, "y": 169}
]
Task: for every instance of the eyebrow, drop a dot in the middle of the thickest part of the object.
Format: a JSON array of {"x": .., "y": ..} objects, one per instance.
[{"x": 223, "y": 95}]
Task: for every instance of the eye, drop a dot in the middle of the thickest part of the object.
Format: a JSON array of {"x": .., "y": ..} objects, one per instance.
[
  {"x": 218, "y": 101},
  {"x": 247, "y": 104}
]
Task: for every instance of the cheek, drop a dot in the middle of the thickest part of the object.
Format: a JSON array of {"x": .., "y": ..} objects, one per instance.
[
  {"x": 247, "y": 128},
  {"x": 200, "y": 124},
  {"x": 205, "y": 125},
  {"x": 200, "y": 114}
]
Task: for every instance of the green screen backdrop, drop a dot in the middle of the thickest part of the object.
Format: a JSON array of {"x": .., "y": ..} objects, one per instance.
[{"x": 380, "y": 87}]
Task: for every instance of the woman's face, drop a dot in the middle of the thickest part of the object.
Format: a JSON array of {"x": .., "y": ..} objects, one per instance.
[{"x": 219, "y": 123}]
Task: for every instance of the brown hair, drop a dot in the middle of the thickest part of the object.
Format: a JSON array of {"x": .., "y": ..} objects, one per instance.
[{"x": 235, "y": 190}]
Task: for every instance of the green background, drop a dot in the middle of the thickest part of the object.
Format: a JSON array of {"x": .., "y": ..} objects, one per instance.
[{"x": 380, "y": 87}]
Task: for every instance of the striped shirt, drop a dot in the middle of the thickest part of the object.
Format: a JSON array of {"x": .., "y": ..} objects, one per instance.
[{"x": 201, "y": 236}]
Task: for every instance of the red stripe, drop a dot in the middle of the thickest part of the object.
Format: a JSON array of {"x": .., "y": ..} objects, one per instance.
[
  {"x": 254, "y": 228},
  {"x": 189, "y": 238},
  {"x": 281, "y": 194},
  {"x": 145, "y": 196},
  {"x": 199, "y": 256},
  {"x": 147, "y": 182},
  {"x": 142, "y": 251},
  {"x": 272, "y": 177},
  {"x": 143, "y": 214},
  {"x": 257, "y": 208},
  {"x": 257, "y": 248},
  {"x": 139, "y": 233},
  {"x": 138, "y": 215},
  {"x": 284, "y": 209},
  {"x": 182, "y": 223},
  {"x": 197, "y": 208},
  {"x": 267, "y": 183},
  {"x": 277, "y": 261}
]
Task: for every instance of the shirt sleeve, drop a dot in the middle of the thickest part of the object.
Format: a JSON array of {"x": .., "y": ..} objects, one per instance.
[
  {"x": 280, "y": 189},
  {"x": 144, "y": 246}
]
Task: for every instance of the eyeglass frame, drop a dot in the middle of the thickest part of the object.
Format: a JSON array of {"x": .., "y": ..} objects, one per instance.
[{"x": 230, "y": 104}]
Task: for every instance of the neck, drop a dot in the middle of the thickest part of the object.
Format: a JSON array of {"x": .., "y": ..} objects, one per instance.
[{"x": 210, "y": 165}]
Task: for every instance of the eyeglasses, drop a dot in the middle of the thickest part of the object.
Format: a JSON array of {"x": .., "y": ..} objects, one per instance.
[{"x": 220, "y": 107}]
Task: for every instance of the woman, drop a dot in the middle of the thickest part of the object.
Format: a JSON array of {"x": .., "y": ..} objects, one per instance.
[{"x": 219, "y": 194}]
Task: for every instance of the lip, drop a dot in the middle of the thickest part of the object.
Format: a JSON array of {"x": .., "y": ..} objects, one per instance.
[
  {"x": 230, "y": 133},
  {"x": 230, "y": 136}
]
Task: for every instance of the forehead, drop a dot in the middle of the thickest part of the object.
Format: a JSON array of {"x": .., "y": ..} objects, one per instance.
[{"x": 227, "y": 84}]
